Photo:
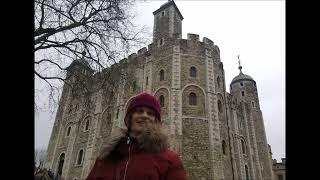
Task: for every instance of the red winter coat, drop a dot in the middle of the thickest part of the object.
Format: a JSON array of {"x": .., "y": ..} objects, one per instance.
[{"x": 125, "y": 159}]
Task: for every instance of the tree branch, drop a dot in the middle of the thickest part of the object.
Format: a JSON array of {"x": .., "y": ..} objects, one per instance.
[
  {"x": 45, "y": 78},
  {"x": 47, "y": 60}
]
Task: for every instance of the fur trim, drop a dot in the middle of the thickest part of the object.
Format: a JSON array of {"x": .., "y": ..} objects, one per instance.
[
  {"x": 152, "y": 140},
  {"x": 113, "y": 141}
]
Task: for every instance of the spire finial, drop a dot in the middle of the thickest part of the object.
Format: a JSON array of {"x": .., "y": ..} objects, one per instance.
[{"x": 240, "y": 67}]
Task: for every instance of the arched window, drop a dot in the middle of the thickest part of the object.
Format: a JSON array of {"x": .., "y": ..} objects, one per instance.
[
  {"x": 60, "y": 164},
  {"x": 218, "y": 81},
  {"x": 193, "y": 72},
  {"x": 80, "y": 157},
  {"x": 219, "y": 106},
  {"x": 241, "y": 83},
  {"x": 247, "y": 172},
  {"x": 68, "y": 131},
  {"x": 161, "y": 75},
  {"x": 87, "y": 125},
  {"x": 192, "y": 99},
  {"x": 161, "y": 99},
  {"x": 242, "y": 93},
  {"x": 224, "y": 147},
  {"x": 243, "y": 147}
]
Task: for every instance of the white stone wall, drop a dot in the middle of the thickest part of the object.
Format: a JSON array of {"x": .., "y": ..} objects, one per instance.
[{"x": 214, "y": 130}]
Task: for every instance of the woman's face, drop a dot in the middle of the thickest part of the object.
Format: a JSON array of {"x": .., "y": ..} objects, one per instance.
[{"x": 139, "y": 118}]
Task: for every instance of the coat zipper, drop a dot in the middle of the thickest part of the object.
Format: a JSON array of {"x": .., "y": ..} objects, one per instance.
[{"x": 125, "y": 171}]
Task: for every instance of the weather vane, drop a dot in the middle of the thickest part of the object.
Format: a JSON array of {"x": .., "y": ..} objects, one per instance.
[{"x": 240, "y": 67}]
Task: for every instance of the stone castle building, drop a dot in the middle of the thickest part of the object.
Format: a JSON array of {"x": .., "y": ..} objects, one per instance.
[
  {"x": 219, "y": 135},
  {"x": 279, "y": 169}
]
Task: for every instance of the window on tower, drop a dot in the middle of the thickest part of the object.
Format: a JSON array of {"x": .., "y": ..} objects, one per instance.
[
  {"x": 218, "y": 81},
  {"x": 219, "y": 106},
  {"x": 87, "y": 125},
  {"x": 161, "y": 99},
  {"x": 68, "y": 131},
  {"x": 193, "y": 72},
  {"x": 161, "y": 75},
  {"x": 192, "y": 99},
  {"x": 134, "y": 86},
  {"x": 241, "y": 83},
  {"x": 242, "y": 93},
  {"x": 224, "y": 147},
  {"x": 162, "y": 14},
  {"x": 80, "y": 157},
  {"x": 253, "y": 104},
  {"x": 243, "y": 147},
  {"x": 247, "y": 172},
  {"x": 117, "y": 115}
]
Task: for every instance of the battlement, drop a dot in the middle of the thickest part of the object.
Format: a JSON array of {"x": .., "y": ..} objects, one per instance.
[
  {"x": 193, "y": 37},
  {"x": 132, "y": 56},
  {"x": 124, "y": 60},
  {"x": 207, "y": 41},
  {"x": 142, "y": 51}
]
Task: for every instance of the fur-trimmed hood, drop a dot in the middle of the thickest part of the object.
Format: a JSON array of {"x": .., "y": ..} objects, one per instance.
[{"x": 152, "y": 140}]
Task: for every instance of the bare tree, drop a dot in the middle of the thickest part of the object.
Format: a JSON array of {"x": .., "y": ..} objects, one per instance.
[
  {"x": 39, "y": 157},
  {"x": 100, "y": 31}
]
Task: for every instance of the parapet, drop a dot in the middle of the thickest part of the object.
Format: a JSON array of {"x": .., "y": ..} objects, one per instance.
[
  {"x": 124, "y": 60},
  {"x": 217, "y": 48},
  {"x": 193, "y": 37},
  {"x": 132, "y": 56},
  {"x": 142, "y": 50},
  {"x": 208, "y": 41}
]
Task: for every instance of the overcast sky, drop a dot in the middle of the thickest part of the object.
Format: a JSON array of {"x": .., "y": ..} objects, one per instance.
[{"x": 253, "y": 29}]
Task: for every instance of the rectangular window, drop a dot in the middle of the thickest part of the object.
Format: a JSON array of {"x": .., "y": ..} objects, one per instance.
[
  {"x": 242, "y": 93},
  {"x": 160, "y": 42},
  {"x": 117, "y": 115},
  {"x": 280, "y": 177}
]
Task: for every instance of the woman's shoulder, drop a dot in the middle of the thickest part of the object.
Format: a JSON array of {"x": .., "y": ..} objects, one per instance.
[{"x": 170, "y": 155}]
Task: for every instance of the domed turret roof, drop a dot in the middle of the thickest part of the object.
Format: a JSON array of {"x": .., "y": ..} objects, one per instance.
[{"x": 241, "y": 77}]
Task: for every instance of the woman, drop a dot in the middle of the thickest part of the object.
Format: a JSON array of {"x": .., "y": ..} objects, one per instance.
[{"x": 139, "y": 152}]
